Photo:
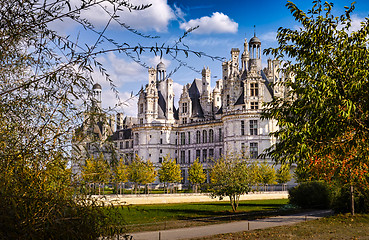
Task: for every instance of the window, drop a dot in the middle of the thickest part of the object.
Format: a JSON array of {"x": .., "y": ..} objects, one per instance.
[
  {"x": 227, "y": 100},
  {"x": 197, "y": 136},
  {"x": 160, "y": 160},
  {"x": 184, "y": 120},
  {"x": 220, "y": 152},
  {"x": 121, "y": 145},
  {"x": 220, "y": 135},
  {"x": 243, "y": 149},
  {"x": 254, "y": 105},
  {"x": 242, "y": 127},
  {"x": 211, "y": 135},
  {"x": 189, "y": 156},
  {"x": 254, "y": 89},
  {"x": 204, "y": 155},
  {"x": 184, "y": 107},
  {"x": 161, "y": 141},
  {"x": 254, "y": 150},
  {"x": 183, "y": 138},
  {"x": 183, "y": 157},
  {"x": 141, "y": 121},
  {"x": 141, "y": 108},
  {"x": 253, "y": 127},
  {"x": 136, "y": 138},
  {"x": 115, "y": 144},
  {"x": 189, "y": 137},
  {"x": 161, "y": 150},
  {"x": 127, "y": 144},
  {"x": 211, "y": 153},
  {"x": 204, "y": 136},
  {"x": 198, "y": 155}
]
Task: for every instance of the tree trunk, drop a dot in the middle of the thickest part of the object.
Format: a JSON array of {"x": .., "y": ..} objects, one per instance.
[{"x": 352, "y": 200}]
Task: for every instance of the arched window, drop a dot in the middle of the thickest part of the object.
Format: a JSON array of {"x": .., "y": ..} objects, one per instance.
[
  {"x": 204, "y": 136},
  {"x": 198, "y": 137},
  {"x": 211, "y": 135}
]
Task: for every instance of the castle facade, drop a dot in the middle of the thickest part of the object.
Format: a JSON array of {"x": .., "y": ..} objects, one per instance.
[{"x": 208, "y": 123}]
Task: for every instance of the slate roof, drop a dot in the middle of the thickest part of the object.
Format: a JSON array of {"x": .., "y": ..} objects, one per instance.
[
  {"x": 267, "y": 83},
  {"x": 194, "y": 92}
]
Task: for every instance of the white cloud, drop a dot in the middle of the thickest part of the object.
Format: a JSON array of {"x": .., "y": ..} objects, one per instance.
[
  {"x": 217, "y": 23},
  {"x": 356, "y": 23},
  {"x": 177, "y": 89},
  {"x": 268, "y": 37},
  {"x": 156, "y": 17}
]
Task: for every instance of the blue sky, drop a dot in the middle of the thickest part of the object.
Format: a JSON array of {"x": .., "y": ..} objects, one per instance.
[{"x": 222, "y": 25}]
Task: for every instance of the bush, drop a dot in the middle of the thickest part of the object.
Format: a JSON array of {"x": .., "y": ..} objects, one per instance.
[
  {"x": 311, "y": 195},
  {"x": 341, "y": 199}
]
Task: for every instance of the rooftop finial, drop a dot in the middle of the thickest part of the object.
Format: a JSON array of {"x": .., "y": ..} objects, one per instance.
[{"x": 254, "y": 31}]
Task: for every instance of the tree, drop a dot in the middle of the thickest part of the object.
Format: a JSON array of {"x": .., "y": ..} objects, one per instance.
[
  {"x": 266, "y": 174},
  {"x": 324, "y": 115},
  {"x": 121, "y": 174},
  {"x": 231, "y": 176},
  {"x": 169, "y": 172},
  {"x": 44, "y": 73},
  {"x": 196, "y": 174},
  {"x": 141, "y": 172},
  {"x": 283, "y": 174}
]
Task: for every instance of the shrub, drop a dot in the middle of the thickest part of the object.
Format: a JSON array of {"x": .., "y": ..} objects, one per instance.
[
  {"x": 341, "y": 199},
  {"x": 311, "y": 195}
]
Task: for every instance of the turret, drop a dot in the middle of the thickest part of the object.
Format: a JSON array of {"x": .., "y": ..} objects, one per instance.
[
  {"x": 245, "y": 56},
  {"x": 96, "y": 91},
  {"x": 255, "y": 52}
]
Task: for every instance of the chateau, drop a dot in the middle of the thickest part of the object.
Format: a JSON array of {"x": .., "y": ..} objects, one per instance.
[{"x": 208, "y": 122}]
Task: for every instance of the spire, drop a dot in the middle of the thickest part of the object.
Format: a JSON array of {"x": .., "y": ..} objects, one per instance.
[{"x": 254, "y": 31}]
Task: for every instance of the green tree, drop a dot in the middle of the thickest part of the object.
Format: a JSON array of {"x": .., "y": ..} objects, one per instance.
[
  {"x": 121, "y": 174},
  {"x": 231, "y": 176},
  {"x": 196, "y": 174},
  {"x": 323, "y": 118},
  {"x": 266, "y": 174},
  {"x": 169, "y": 172},
  {"x": 283, "y": 174},
  {"x": 140, "y": 172}
]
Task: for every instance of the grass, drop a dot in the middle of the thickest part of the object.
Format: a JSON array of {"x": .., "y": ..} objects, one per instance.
[
  {"x": 165, "y": 216},
  {"x": 334, "y": 227}
]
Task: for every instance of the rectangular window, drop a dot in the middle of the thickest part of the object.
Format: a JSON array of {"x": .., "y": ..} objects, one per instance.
[
  {"x": 254, "y": 150},
  {"x": 198, "y": 155},
  {"x": 211, "y": 153},
  {"x": 121, "y": 145},
  {"x": 242, "y": 127},
  {"x": 204, "y": 155},
  {"x": 254, "y": 89},
  {"x": 220, "y": 152},
  {"x": 141, "y": 108},
  {"x": 183, "y": 138},
  {"x": 189, "y": 156},
  {"x": 253, "y": 127},
  {"x": 183, "y": 156},
  {"x": 220, "y": 135},
  {"x": 243, "y": 149},
  {"x": 160, "y": 160},
  {"x": 189, "y": 137},
  {"x": 127, "y": 144},
  {"x": 254, "y": 105},
  {"x": 136, "y": 139},
  {"x": 184, "y": 107},
  {"x": 161, "y": 141},
  {"x": 184, "y": 120}
]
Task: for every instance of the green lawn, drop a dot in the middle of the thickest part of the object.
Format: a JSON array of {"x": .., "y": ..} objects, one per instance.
[
  {"x": 334, "y": 227},
  {"x": 163, "y": 216}
]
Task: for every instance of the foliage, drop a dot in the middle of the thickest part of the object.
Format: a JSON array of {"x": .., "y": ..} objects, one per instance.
[
  {"x": 170, "y": 171},
  {"x": 341, "y": 199},
  {"x": 323, "y": 118},
  {"x": 196, "y": 174},
  {"x": 140, "y": 172},
  {"x": 266, "y": 173},
  {"x": 311, "y": 195},
  {"x": 283, "y": 174},
  {"x": 231, "y": 176}
]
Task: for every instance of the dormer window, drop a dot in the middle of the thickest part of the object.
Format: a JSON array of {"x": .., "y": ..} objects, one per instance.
[
  {"x": 254, "y": 105},
  {"x": 184, "y": 107},
  {"x": 254, "y": 89}
]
